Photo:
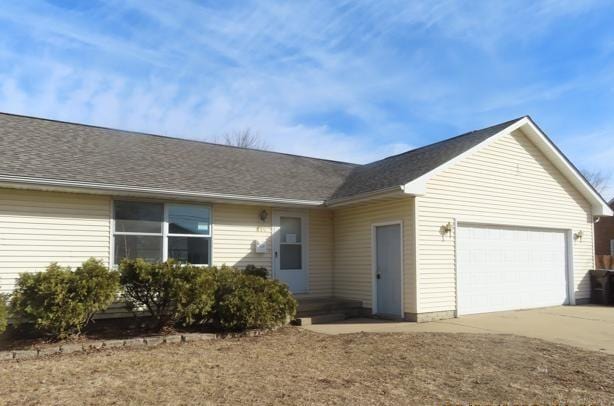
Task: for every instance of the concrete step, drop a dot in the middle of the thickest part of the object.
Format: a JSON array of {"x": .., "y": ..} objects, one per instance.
[
  {"x": 320, "y": 319},
  {"x": 307, "y": 307},
  {"x": 348, "y": 312}
]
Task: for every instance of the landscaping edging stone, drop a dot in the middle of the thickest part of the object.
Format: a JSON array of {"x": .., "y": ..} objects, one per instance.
[{"x": 150, "y": 341}]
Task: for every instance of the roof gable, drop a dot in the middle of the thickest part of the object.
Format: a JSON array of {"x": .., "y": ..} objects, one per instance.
[
  {"x": 400, "y": 169},
  {"x": 417, "y": 186}
]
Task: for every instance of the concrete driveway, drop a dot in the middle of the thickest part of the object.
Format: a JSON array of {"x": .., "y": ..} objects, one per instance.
[{"x": 588, "y": 327}]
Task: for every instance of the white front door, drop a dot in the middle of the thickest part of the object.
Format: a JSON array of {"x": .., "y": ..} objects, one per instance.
[
  {"x": 508, "y": 268},
  {"x": 290, "y": 238}
]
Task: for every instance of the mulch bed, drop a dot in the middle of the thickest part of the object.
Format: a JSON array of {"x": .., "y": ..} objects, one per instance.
[{"x": 104, "y": 329}]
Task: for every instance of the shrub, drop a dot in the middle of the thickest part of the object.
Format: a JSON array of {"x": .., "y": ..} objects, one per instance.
[
  {"x": 59, "y": 301},
  {"x": 150, "y": 285},
  {"x": 193, "y": 294},
  {"x": 3, "y": 313},
  {"x": 254, "y": 270},
  {"x": 246, "y": 301},
  {"x": 231, "y": 299},
  {"x": 97, "y": 287}
]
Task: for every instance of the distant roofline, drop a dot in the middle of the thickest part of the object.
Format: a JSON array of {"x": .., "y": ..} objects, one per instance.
[{"x": 169, "y": 137}]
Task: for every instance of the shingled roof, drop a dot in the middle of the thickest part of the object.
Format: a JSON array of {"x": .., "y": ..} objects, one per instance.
[
  {"x": 41, "y": 148},
  {"x": 403, "y": 168},
  {"x": 38, "y": 148}
]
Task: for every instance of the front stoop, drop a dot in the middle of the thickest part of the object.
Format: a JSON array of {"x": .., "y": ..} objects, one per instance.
[{"x": 326, "y": 310}]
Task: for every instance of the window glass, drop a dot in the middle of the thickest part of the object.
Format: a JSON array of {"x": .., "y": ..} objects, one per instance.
[
  {"x": 290, "y": 256},
  {"x": 146, "y": 247},
  {"x": 290, "y": 228},
  {"x": 141, "y": 219},
  {"x": 138, "y": 217},
  {"x": 188, "y": 219},
  {"x": 189, "y": 249}
]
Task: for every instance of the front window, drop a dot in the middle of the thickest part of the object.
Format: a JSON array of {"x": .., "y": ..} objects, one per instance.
[
  {"x": 189, "y": 233},
  {"x": 135, "y": 217},
  {"x": 157, "y": 232}
]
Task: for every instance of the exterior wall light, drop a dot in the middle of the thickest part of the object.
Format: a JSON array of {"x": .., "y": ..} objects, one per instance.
[
  {"x": 263, "y": 215},
  {"x": 578, "y": 236},
  {"x": 446, "y": 229}
]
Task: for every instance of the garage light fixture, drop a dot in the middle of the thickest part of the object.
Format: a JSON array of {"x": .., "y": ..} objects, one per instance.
[{"x": 446, "y": 229}]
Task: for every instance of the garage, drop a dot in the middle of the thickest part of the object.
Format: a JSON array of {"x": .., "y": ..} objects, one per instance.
[{"x": 508, "y": 268}]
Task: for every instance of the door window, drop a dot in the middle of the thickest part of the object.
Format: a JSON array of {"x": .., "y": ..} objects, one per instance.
[{"x": 290, "y": 243}]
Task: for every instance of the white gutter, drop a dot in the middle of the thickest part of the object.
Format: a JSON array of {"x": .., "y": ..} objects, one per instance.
[{"x": 110, "y": 189}]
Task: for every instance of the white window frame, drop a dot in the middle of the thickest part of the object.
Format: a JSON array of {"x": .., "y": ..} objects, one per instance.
[{"x": 164, "y": 234}]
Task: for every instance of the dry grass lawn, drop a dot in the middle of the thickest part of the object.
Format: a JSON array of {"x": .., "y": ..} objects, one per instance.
[{"x": 294, "y": 366}]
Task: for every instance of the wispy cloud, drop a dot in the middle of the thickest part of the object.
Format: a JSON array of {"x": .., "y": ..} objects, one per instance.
[{"x": 344, "y": 80}]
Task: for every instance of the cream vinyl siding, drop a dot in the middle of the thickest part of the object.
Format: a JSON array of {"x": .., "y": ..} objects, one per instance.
[
  {"x": 509, "y": 182},
  {"x": 321, "y": 252},
  {"x": 235, "y": 230},
  {"x": 353, "y": 277},
  {"x": 37, "y": 228}
]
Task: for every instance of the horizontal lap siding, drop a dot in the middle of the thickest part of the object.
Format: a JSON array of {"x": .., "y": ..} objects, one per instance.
[
  {"x": 37, "y": 228},
  {"x": 321, "y": 253},
  {"x": 353, "y": 248},
  {"x": 236, "y": 228},
  {"x": 509, "y": 182}
]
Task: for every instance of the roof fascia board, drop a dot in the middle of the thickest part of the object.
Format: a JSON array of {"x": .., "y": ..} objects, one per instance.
[
  {"x": 547, "y": 147},
  {"x": 418, "y": 186},
  {"x": 122, "y": 190}
]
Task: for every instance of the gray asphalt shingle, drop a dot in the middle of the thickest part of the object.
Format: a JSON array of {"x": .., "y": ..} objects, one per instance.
[
  {"x": 40, "y": 148},
  {"x": 403, "y": 168}
]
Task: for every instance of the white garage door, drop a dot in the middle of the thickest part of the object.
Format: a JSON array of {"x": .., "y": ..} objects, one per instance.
[{"x": 507, "y": 268}]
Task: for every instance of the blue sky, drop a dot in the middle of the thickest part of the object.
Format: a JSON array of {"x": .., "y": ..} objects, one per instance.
[{"x": 352, "y": 81}]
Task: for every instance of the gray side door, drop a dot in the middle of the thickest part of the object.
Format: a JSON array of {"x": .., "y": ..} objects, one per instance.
[{"x": 388, "y": 270}]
